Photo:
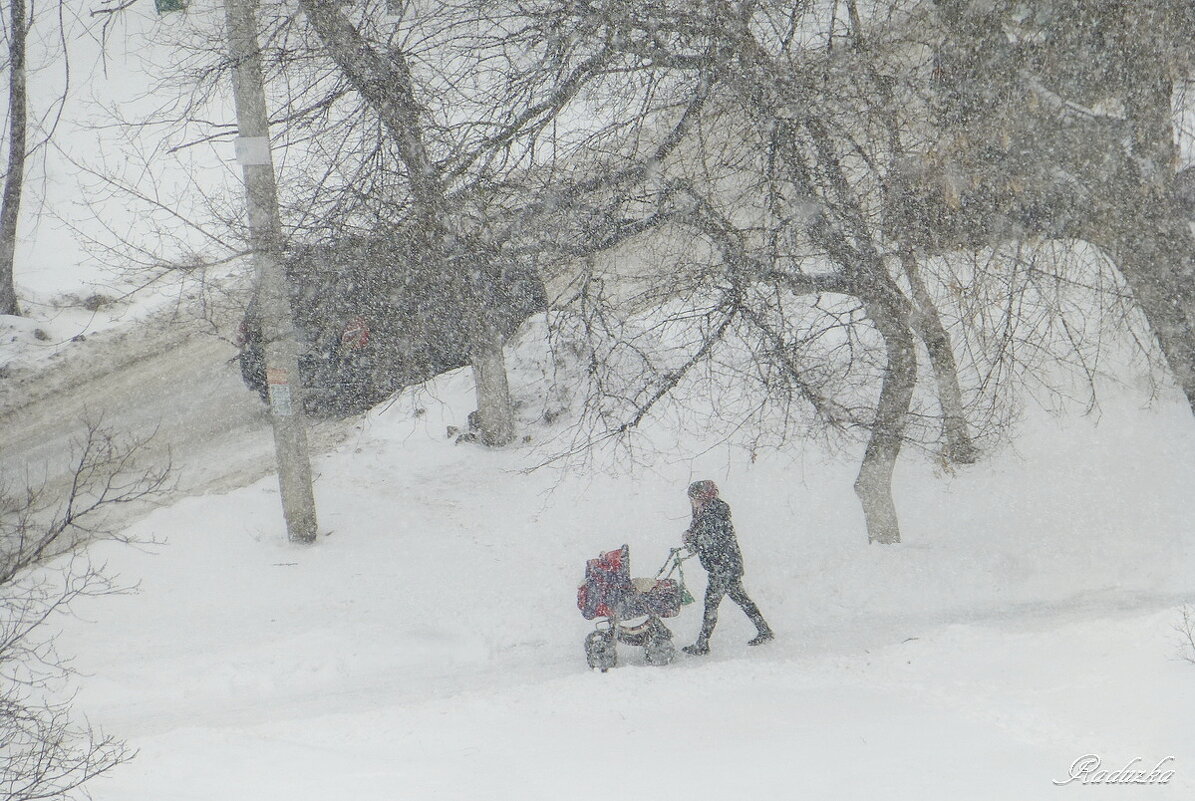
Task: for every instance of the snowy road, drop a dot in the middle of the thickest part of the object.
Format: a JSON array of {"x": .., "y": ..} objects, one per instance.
[{"x": 174, "y": 380}]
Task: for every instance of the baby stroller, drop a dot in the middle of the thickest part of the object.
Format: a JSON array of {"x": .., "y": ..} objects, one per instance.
[{"x": 611, "y": 594}]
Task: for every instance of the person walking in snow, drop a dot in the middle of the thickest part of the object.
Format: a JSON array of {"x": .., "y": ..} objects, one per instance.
[{"x": 711, "y": 535}]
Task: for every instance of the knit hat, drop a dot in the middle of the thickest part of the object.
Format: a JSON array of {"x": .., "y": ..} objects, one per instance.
[{"x": 703, "y": 490}]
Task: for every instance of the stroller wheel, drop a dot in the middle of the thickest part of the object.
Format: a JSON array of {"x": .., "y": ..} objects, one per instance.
[{"x": 599, "y": 650}]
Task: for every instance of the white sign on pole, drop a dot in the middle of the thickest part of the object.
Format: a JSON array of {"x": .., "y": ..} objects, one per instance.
[
  {"x": 253, "y": 151},
  {"x": 280, "y": 400}
]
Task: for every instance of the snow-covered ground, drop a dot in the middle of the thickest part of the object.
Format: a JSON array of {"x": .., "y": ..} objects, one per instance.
[{"x": 429, "y": 645}]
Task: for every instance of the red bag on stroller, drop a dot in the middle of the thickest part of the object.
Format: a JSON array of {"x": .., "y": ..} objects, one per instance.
[
  {"x": 607, "y": 584},
  {"x": 609, "y": 591}
]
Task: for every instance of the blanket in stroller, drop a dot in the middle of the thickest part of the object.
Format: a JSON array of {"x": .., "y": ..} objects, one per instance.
[{"x": 609, "y": 590}]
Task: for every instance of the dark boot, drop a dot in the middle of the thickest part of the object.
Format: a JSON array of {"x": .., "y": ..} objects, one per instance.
[
  {"x": 765, "y": 635},
  {"x": 713, "y": 596},
  {"x": 763, "y": 630},
  {"x": 761, "y": 626}
]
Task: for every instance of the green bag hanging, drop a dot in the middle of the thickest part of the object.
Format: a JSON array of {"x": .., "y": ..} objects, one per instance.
[{"x": 686, "y": 597}]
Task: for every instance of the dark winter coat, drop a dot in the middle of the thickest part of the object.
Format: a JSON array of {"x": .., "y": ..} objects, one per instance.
[{"x": 712, "y": 536}]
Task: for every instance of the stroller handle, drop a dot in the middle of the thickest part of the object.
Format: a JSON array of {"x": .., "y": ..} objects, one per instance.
[{"x": 673, "y": 562}]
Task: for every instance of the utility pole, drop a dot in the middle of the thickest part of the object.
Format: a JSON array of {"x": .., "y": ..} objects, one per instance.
[{"x": 265, "y": 239}]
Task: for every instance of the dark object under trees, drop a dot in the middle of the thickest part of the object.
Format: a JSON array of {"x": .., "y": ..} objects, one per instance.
[
  {"x": 368, "y": 324},
  {"x": 385, "y": 82},
  {"x": 14, "y": 179}
]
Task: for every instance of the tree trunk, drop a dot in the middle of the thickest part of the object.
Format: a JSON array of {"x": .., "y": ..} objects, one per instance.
[
  {"x": 14, "y": 180},
  {"x": 928, "y": 325},
  {"x": 495, "y": 415},
  {"x": 874, "y": 483}
]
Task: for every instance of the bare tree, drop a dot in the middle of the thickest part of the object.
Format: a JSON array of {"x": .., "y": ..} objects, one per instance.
[
  {"x": 1014, "y": 125},
  {"x": 31, "y": 122},
  {"x": 770, "y": 165},
  {"x": 14, "y": 178},
  {"x": 386, "y": 84},
  {"x": 45, "y": 752}
]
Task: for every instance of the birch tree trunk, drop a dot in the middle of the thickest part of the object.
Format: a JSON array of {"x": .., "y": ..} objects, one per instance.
[
  {"x": 928, "y": 324},
  {"x": 14, "y": 180},
  {"x": 873, "y": 485},
  {"x": 495, "y": 416}
]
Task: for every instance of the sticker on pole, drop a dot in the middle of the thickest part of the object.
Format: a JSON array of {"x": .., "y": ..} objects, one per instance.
[
  {"x": 355, "y": 335},
  {"x": 280, "y": 400},
  {"x": 253, "y": 151}
]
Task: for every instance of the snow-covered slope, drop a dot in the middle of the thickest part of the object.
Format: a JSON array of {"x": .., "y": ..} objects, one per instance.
[{"x": 429, "y": 646}]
